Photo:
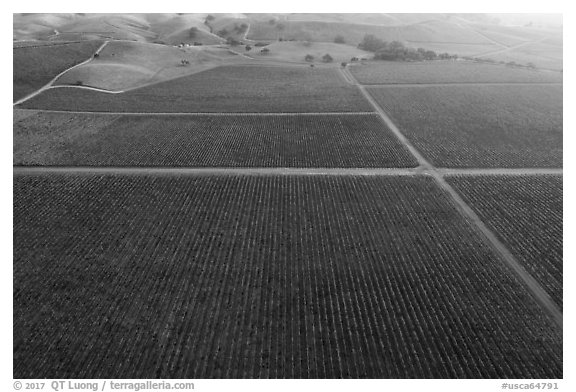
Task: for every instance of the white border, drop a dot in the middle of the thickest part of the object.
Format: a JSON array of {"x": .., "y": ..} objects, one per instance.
[{"x": 486, "y": 6}]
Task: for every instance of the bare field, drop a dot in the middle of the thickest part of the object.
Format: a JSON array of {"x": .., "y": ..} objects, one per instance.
[
  {"x": 207, "y": 141},
  {"x": 223, "y": 89},
  {"x": 483, "y": 126},
  {"x": 526, "y": 212},
  {"x": 541, "y": 55},
  {"x": 263, "y": 277},
  {"x": 394, "y": 72}
]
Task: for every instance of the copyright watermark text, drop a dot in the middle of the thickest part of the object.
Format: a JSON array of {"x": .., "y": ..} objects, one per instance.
[{"x": 102, "y": 385}]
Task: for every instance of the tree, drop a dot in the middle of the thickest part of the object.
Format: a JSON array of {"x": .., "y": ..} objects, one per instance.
[
  {"x": 231, "y": 41},
  {"x": 396, "y": 46},
  {"x": 280, "y": 27},
  {"x": 344, "y": 64},
  {"x": 372, "y": 44},
  {"x": 193, "y": 32},
  {"x": 248, "y": 48},
  {"x": 222, "y": 33},
  {"x": 339, "y": 40},
  {"x": 327, "y": 58},
  {"x": 241, "y": 29},
  {"x": 309, "y": 58},
  {"x": 265, "y": 51},
  {"x": 272, "y": 21},
  {"x": 209, "y": 18},
  {"x": 430, "y": 55}
]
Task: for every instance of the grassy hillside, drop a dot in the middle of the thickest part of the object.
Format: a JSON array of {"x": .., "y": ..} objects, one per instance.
[
  {"x": 124, "y": 65},
  {"x": 169, "y": 28},
  {"x": 38, "y": 26},
  {"x": 175, "y": 29},
  {"x": 127, "y": 27},
  {"x": 431, "y": 31}
]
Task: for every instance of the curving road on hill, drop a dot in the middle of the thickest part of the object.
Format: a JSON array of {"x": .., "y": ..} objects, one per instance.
[{"x": 51, "y": 82}]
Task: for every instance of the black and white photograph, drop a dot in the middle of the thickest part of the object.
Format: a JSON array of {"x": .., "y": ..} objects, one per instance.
[{"x": 286, "y": 196}]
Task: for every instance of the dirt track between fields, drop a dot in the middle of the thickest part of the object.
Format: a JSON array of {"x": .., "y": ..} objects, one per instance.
[
  {"x": 226, "y": 114},
  {"x": 141, "y": 170},
  {"x": 279, "y": 170},
  {"x": 467, "y": 84}
]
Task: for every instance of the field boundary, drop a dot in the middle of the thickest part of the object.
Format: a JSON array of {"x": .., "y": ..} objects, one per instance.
[
  {"x": 499, "y": 171},
  {"x": 332, "y": 171},
  {"x": 467, "y": 84},
  {"x": 221, "y": 114},
  {"x": 264, "y": 171},
  {"x": 538, "y": 293}
]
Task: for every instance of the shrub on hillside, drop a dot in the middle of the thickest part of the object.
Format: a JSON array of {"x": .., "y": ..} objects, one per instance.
[
  {"x": 327, "y": 58},
  {"x": 231, "y": 41}
]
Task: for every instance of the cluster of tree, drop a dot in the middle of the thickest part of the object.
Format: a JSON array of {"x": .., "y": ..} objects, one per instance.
[
  {"x": 240, "y": 29},
  {"x": 207, "y": 21},
  {"x": 339, "y": 40},
  {"x": 372, "y": 44},
  {"x": 326, "y": 58},
  {"x": 396, "y": 51},
  {"x": 185, "y": 62}
]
